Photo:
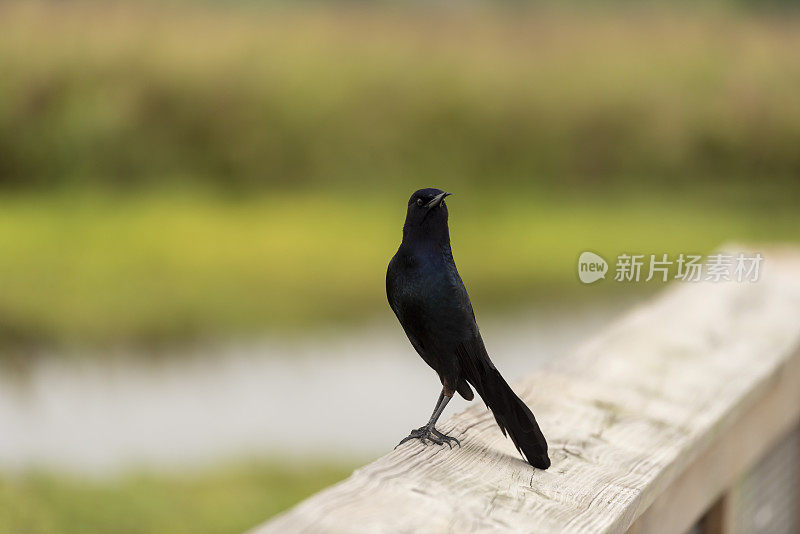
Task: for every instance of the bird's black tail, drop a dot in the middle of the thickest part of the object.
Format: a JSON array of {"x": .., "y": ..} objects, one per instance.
[{"x": 513, "y": 416}]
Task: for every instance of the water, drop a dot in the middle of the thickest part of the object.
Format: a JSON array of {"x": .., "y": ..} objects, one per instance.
[{"x": 348, "y": 394}]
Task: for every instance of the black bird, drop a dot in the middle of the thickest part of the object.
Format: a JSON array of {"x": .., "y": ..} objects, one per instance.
[{"x": 430, "y": 300}]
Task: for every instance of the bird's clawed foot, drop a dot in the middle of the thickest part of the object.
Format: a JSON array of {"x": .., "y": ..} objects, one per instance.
[{"x": 426, "y": 433}]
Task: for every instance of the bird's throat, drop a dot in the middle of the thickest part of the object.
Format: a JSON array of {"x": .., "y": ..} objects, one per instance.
[{"x": 434, "y": 235}]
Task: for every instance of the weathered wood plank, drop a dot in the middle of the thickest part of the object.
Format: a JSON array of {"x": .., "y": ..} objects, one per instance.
[
  {"x": 626, "y": 415},
  {"x": 732, "y": 451}
]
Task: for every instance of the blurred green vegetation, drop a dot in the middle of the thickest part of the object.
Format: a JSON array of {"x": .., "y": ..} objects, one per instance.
[
  {"x": 223, "y": 500},
  {"x": 126, "y": 93},
  {"x": 170, "y": 173},
  {"x": 100, "y": 269}
]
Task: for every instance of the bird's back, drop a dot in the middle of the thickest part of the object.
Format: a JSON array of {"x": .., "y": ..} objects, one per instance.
[
  {"x": 431, "y": 303},
  {"x": 427, "y": 283}
]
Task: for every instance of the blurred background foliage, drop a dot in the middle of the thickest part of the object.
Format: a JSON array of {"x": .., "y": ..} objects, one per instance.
[
  {"x": 182, "y": 171},
  {"x": 122, "y": 96},
  {"x": 186, "y": 171}
]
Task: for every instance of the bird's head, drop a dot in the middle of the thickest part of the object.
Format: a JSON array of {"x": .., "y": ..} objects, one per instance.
[{"x": 427, "y": 211}]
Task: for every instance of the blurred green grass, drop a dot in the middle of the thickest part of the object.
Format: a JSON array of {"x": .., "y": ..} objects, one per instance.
[
  {"x": 223, "y": 500},
  {"x": 91, "y": 269}
]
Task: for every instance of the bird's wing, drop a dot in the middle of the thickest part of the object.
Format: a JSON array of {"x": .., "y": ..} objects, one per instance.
[
  {"x": 410, "y": 318},
  {"x": 461, "y": 304}
]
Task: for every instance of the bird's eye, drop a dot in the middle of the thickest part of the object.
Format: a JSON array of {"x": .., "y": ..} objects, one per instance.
[{"x": 419, "y": 202}]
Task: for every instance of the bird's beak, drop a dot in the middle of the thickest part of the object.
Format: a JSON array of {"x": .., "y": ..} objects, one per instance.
[{"x": 435, "y": 201}]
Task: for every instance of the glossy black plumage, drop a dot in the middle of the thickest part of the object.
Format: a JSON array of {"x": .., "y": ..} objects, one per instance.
[{"x": 429, "y": 299}]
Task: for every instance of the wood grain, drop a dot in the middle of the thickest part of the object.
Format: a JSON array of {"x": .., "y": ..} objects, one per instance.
[{"x": 627, "y": 415}]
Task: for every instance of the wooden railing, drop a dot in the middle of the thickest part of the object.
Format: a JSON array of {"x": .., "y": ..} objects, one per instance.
[{"x": 651, "y": 425}]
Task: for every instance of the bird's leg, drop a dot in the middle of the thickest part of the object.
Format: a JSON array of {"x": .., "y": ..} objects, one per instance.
[{"x": 429, "y": 432}]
